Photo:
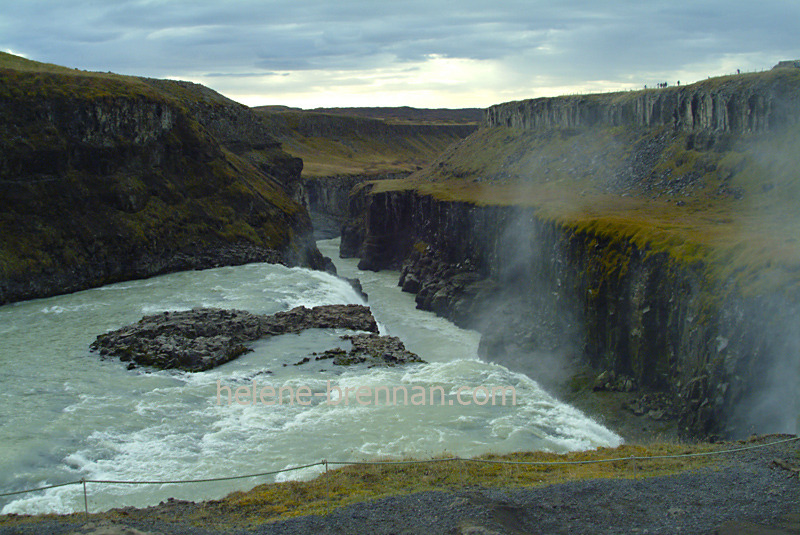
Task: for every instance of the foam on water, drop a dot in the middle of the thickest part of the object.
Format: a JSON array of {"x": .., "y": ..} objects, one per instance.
[{"x": 70, "y": 415}]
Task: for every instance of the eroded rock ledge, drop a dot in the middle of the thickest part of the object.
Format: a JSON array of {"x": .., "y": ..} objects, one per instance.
[{"x": 203, "y": 338}]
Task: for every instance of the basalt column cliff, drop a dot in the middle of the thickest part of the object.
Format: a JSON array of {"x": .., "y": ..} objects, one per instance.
[
  {"x": 648, "y": 235},
  {"x": 106, "y": 178}
]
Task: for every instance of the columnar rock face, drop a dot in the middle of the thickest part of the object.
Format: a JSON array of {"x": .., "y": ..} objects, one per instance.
[
  {"x": 239, "y": 129},
  {"x": 536, "y": 289},
  {"x": 106, "y": 178},
  {"x": 739, "y": 105},
  {"x": 617, "y": 244}
]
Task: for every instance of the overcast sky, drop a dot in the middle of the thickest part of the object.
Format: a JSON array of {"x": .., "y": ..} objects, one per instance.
[{"x": 422, "y": 53}]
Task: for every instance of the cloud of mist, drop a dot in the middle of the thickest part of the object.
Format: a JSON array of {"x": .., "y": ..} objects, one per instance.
[
  {"x": 533, "y": 323},
  {"x": 768, "y": 363},
  {"x": 530, "y": 325},
  {"x": 768, "y": 370}
]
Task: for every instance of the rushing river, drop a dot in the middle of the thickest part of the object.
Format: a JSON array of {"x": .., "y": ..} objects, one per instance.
[{"x": 66, "y": 414}]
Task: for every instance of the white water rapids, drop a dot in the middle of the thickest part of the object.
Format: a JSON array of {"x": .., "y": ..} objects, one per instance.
[{"x": 65, "y": 413}]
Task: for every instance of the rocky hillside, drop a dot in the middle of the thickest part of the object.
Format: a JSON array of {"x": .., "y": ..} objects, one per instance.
[
  {"x": 649, "y": 235},
  {"x": 106, "y": 178},
  {"x": 336, "y": 144},
  {"x": 343, "y": 147}
]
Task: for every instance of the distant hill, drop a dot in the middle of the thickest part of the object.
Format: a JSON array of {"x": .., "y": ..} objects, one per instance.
[
  {"x": 276, "y": 108},
  {"x": 355, "y": 144},
  {"x": 403, "y": 114}
]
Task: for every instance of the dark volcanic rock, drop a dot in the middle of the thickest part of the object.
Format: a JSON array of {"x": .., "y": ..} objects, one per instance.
[
  {"x": 203, "y": 338},
  {"x": 742, "y": 104},
  {"x": 327, "y": 199},
  {"x": 539, "y": 291},
  {"x": 375, "y": 350},
  {"x": 355, "y": 317},
  {"x": 356, "y": 284}
]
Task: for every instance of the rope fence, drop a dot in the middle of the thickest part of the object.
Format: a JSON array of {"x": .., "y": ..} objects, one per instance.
[{"x": 326, "y": 464}]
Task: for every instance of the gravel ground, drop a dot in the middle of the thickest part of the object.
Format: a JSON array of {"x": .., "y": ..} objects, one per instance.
[{"x": 745, "y": 494}]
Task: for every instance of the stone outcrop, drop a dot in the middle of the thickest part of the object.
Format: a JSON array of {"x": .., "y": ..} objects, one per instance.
[
  {"x": 239, "y": 129},
  {"x": 371, "y": 350},
  {"x": 106, "y": 178},
  {"x": 204, "y": 338},
  {"x": 354, "y": 228}
]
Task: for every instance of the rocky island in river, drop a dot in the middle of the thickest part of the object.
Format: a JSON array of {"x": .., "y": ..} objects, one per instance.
[{"x": 204, "y": 338}]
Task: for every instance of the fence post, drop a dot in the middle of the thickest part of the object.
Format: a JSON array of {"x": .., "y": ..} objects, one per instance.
[
  {"x": 85, "y": 499},
  {"x": 327, "y": 487}
]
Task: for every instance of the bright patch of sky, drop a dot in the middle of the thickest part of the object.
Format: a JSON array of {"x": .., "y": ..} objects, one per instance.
[{"x": 430, "y": 53}]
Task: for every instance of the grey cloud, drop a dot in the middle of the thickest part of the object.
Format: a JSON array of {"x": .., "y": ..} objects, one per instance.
[{"x": 567, "y": 41}]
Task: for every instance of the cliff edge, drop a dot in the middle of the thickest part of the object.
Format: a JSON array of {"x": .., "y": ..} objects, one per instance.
[
  {"x": 648, "y": 235},
  {"x": 106, "y": 178}
]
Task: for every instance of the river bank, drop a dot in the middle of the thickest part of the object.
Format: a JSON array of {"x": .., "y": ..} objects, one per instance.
[
  {"x": 746, "y": 491},
  {"x": 109, "y": 422}
]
